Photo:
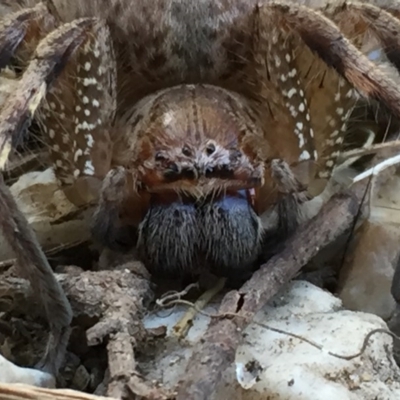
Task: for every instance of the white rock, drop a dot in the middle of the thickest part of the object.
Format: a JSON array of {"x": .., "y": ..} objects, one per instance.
[
  {"x": 10, "y": 373},
  {"x": 291, "y": 369},
  {"x": 274, "y": 366}
]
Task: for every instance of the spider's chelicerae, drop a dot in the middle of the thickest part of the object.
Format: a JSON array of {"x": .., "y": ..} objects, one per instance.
[{"x": 199, "y": 128}]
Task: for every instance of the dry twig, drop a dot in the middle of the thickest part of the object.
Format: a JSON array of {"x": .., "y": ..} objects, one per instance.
[{"x": 18, "y": 392}]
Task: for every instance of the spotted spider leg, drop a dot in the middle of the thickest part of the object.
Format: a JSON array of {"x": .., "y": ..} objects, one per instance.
[
  {"x": 331, "y": 101},
  {"x": 16, "y": 114},
  {"x": 328, "y": 74},
  {"x": 302, "y": 89},
  {"x": 15, "y": 29},
  {"x": 77, "y": 116}
]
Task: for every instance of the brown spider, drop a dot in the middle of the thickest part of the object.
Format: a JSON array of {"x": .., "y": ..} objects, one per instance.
[{"x": 200, "y": 128}]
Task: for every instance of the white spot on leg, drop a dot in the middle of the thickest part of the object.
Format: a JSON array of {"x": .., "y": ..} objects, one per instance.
[
  {"x": 89, "y": 81},
  {"x": 291, "y": 92},
  {"x": 349, "y": 94},
  {"x": 339, "y": 111},
  {"x": 168, "y": 117},
  {"x": 305, "y": 155},
  {"x": 89, "y": 141},
  {"x": 334, "y": 133},
  {"x": 339, "y": 140},
  {"x": 299, "y": 126},
  {"x": 329, "y": 163},
  {"x": 301, "y": 139},
  {"x": 77, "y": 154},
  {"x": 89, "y": 169}
]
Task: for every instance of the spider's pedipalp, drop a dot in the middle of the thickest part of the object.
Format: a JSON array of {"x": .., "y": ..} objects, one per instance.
[
  {"x": 110, "y": 227},
  {"x": 78, "y": 113}
]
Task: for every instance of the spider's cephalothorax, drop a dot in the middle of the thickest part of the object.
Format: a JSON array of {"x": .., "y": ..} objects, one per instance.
[{"x": 199, "y": 127}]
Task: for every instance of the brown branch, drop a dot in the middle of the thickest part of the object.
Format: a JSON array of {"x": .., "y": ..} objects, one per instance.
[
  {"x": 216, "y": 351},
  {"x": 124, "y": 379},
  {"x": 24, "y": 392}
]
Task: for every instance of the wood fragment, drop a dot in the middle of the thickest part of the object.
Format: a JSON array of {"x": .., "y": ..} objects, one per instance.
[
  {"x": 181, "y": 329},
  {"x": 25, "y": 392},
  {"x": 124, "y": 378}
]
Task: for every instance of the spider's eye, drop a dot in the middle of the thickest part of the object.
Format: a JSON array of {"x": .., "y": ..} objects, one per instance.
[
  {"x": 159, "y": 157},
  {"x": 186, "y": 151},
  {"x": 210, "y": 149}
]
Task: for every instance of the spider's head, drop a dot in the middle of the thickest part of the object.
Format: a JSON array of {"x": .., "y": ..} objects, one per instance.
[{"x": 197, "y": 140}]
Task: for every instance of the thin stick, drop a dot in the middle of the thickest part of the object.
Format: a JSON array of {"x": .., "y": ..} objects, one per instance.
[{"x": 182, "y": 327}]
